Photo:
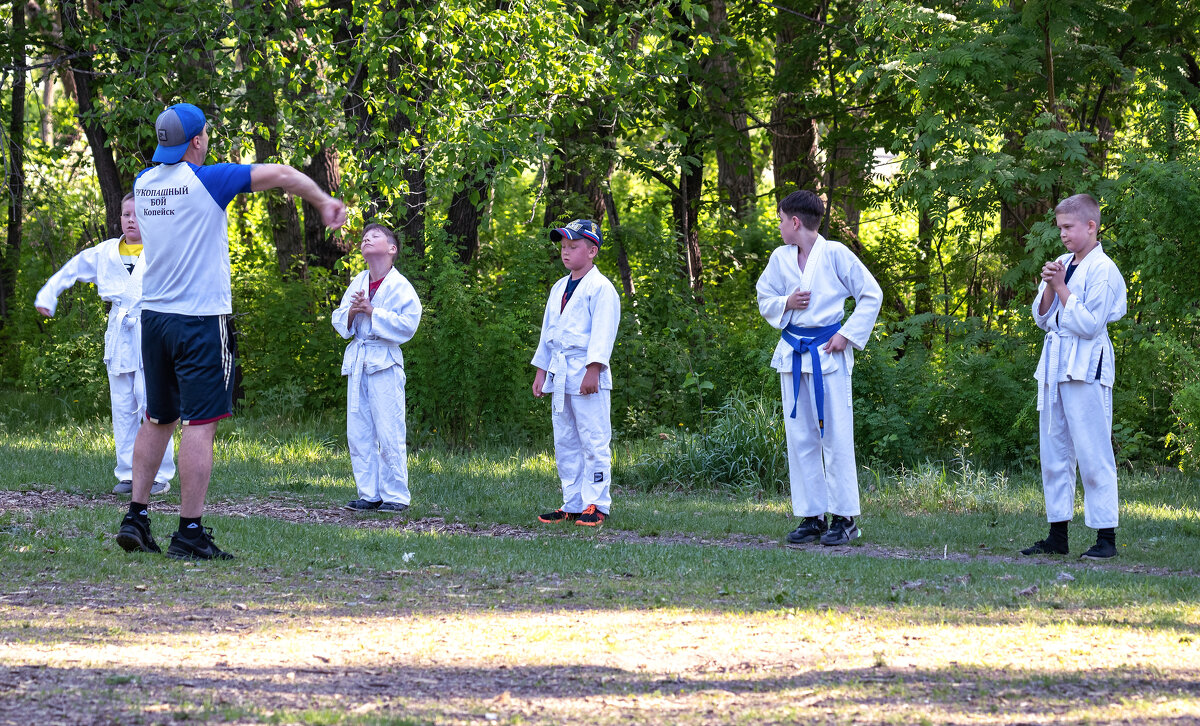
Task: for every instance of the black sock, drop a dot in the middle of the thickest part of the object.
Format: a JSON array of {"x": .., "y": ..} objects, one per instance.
[
  {"x": 1058, "y": 532},
  {"x": 139, "y": 510},
  {"x": 190, "y": 526},
  {"x": 1107, "y": 534}
]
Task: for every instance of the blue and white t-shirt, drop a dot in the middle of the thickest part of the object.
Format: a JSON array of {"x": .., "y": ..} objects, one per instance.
[{"x": 181, "y": 212}]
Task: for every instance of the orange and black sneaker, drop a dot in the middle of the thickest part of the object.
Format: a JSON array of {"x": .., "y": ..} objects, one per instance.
[
  {"x": 591, "y": 517},
  {"x": 556, "y": 516}
]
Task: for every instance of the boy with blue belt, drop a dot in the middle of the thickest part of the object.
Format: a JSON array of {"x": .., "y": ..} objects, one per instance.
[
  {"x": 1080, "y": 294},
  {"x": 802, "y": 293}
]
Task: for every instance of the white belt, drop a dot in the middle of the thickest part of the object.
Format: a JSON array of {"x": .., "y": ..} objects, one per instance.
[
  {"x": 1050, "y": 366},
  {"x": 557, "y": 388},
  {"x": 356, "y": 369}
]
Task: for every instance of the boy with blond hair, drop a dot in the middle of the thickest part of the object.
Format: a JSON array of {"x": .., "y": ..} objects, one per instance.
[
  {"x": 115, "y": 267},
  {"x": 1081, "y": 293}
]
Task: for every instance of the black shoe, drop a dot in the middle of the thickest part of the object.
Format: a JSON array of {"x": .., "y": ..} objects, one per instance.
[
  {"x": 1046, "y": 547},
  {"x": 841, "y": 531},
  {"x": 201, "y": 547},
  {"x": 134, "y": 535},
  {"x": 1102, "y": 550},
  {"x": 558, "y": 515},
  {"x": 810, "y": 530},
  {"x": 391, "y": 507},
  {"x": 124, "y": 486},
  {"x": 362, "y": 505}
]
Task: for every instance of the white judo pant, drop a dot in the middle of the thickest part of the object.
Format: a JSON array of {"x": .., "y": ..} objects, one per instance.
[
  {"x": 376, "y": 434},
  {"x": 127, "y": 394},
  {"x": 1075, "y": 430},
  {"x": 822, "y": 470},
  {"x": 582, "y": 434}
]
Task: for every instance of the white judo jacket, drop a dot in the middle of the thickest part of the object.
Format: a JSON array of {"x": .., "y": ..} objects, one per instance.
[
  {"x": 102, "y": 266},
  {"x": 583, "y": 332},
  {"x": 1077, "y": 341},
  {"x": 832, "y": 273},
  {"x": 377, "y": 337}
]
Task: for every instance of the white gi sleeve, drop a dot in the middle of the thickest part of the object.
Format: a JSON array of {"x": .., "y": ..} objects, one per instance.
[
  {"x": 868, "y": 297},
  {"x": 342, "y": 314},
  {"x": 1087, "y": 319},
  {"x": 541, "y": 356},
  {"x": 772, "y": 299},
  {"x": 80, "y": 268},
  {"x": 398, "y": 322},
  {"x": 606, "y": 315}
]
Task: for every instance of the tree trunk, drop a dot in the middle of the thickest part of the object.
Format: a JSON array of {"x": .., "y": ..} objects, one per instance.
[
  {"x": 466, "y": 212},
  {"x": 793, "y": 129},
  {"x": 618, "y": 242},
  {"x": 10, "y": 260},
  {"x": 283, "y": 220},
  {"x": 112, "y": 187},
  {"x": 735, "y": 163},
  {"x": 324, "y": 247}
]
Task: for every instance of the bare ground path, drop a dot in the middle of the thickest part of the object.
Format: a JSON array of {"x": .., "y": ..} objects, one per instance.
[{"x": 290, "y": 512}]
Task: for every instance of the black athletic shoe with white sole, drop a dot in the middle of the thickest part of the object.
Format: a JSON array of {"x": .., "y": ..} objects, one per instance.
[
  {"x": 841, "y": 531},
  {"x": 362, "y": 505},
  {"x": 1046, "y": 546},
  {"x": 810, "y": 530},
  {"x": 134, "y": 535},
  {"x": 1102, "y": 550},
  {"x": 200, "y": 547}
]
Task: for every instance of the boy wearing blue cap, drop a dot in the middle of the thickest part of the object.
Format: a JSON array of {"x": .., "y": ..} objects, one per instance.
[
  {"x": 579, "y": 328},
  {"x": 187, "y": 349},
  {"x": 802, "y": 293}
]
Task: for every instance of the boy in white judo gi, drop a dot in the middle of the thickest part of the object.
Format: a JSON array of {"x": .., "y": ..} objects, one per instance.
[
  {"x": 579, "y": 328},
  {"x": 1080, "y": 294},
  {"x": 802, "y": 293},
  {"x": 115, "y": 267},
  {"x": 380, "y": 312}
]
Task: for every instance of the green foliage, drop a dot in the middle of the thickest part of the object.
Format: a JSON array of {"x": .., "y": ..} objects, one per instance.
[{"x": 741, "y": 449}]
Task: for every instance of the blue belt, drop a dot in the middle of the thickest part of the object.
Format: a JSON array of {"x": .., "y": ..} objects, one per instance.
[{"x": 808, "y": 340}]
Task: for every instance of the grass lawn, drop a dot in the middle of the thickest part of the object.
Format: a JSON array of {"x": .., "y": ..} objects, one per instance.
[{"x": 682, "y": 609}]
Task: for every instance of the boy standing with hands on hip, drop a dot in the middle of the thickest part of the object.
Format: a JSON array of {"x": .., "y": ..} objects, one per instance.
[
  {"x": 802, "y": 293},
  {"x": 1080, "y": 294},
  {"x": 579, "y": 329}
]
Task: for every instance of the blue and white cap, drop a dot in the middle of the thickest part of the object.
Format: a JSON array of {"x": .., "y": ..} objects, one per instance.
[
  {"x": 579, "y": 229},
  {"x": 174, "y": 128}
]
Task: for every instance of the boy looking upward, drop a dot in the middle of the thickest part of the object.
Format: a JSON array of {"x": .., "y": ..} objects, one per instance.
[
  {"x": 379, "y": 311},
  {"x": 802, "y": 293},
  {"x": 1081, "y": 293},
  {"x": 116, "y": 267},
  {"x": 579, "y": 329}
]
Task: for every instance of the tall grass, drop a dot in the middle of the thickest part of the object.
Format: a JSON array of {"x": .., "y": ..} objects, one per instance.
[{"x": 741, "y": 449}]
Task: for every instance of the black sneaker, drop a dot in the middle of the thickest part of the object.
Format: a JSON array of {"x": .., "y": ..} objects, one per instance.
[
  {"x": 1102, "y": 550},
  {"x": 362, "y": 505},
  {"x": 841, "y": 531},
  {"x": 134, "y": 535},
  {"x": 558, "y": 515},
  {"x": 1046, "y": 547},
  {"x": 201, "y": 547},
  {"x": 810, "y": 530},
  {"x": 391, "y": 507}
]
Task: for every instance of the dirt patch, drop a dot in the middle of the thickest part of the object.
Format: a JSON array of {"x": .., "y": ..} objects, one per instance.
[
  {"x": 274, "y": 661},
  {"x": 29, "y": 501}
]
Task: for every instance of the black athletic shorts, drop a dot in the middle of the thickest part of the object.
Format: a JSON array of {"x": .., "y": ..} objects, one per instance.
[{"x": 189, "y": 362}]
